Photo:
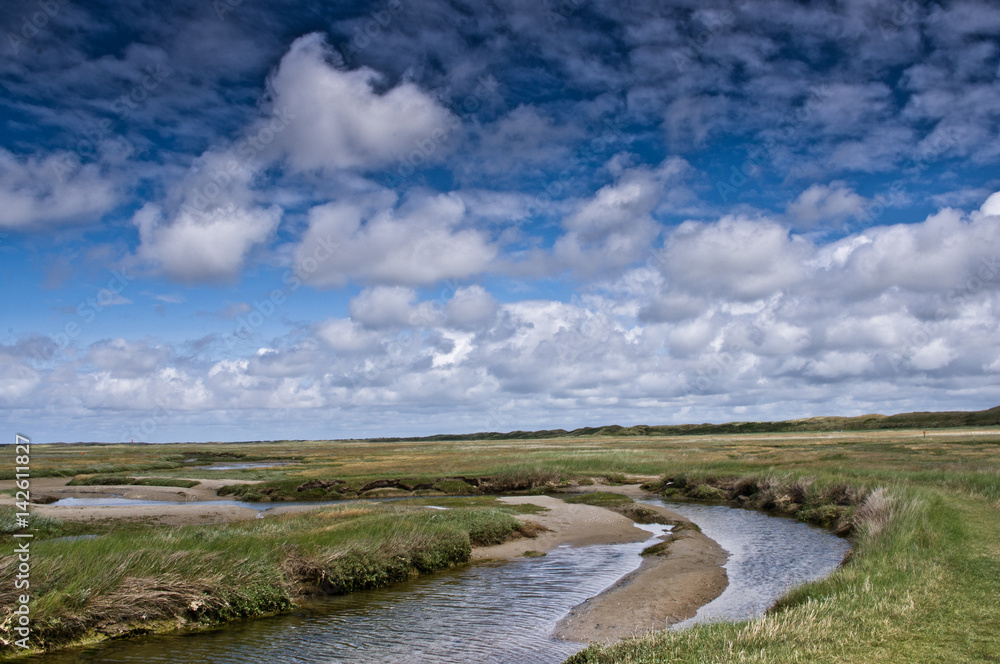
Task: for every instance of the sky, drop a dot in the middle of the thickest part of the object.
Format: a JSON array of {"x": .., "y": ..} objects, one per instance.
[{"x": 243, "y": 220}]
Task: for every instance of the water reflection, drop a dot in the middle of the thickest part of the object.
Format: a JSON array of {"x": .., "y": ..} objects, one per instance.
[
  {"x": 768, "y": 556},
  {"x": 492, "y": 613}
]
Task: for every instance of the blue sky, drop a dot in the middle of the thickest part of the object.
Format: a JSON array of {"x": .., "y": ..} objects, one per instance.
[{"x": 241, "y": 220}]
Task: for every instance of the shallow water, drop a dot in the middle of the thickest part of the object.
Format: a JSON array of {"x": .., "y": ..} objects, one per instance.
[
  {"x": 245, "y": 465},
  {"x": 496, "y": 613},
  {"x": 767, "y": 557},
  {"x": 492, "y": 613}
]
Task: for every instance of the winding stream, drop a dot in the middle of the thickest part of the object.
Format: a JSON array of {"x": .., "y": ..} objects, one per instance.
[
  {"x": 767, "y": 556},
  {"x": 496, "y": 613}
]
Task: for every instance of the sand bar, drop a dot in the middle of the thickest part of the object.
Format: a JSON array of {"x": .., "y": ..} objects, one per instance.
[{"x": 664, "y": 589}]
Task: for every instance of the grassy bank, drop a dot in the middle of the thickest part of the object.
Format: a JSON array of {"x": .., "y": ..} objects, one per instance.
[
  {"x": 125, "y": 582},
  {"x": 125, "y": 480},
  {"x": 921, "y": 585}
]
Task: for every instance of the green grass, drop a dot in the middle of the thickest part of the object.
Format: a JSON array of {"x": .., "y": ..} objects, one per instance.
[
  {"x": 204, "y": 575},
  {"x": 600, "y": 499},
  {"x": 921, "y": 585}
]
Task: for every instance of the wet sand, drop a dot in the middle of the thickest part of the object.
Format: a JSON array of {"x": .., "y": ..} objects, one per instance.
[
  {"x": 666, "y": 589},
  {"x": 193, "y": 506},
  {"x": 576, "y": 525},
  {"x": 662, "y": 591}
]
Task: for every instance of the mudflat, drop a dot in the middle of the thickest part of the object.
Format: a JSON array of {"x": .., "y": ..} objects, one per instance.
[
  {"x": 664, "y": 590},
  {"x": 196, "y": 505},
  {"x": 575, "y": 525}
]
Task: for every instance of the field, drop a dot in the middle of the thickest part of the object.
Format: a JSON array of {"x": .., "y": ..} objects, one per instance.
[{"x": 923, "y": 512}]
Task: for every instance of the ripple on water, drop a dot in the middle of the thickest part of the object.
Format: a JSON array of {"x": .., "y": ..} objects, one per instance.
[
  {"x": 491, "y": 613},
  {"x": 768, "y": 556}
]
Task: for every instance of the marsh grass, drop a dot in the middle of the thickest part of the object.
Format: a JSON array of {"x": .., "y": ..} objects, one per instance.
[
  {"x": 923, "y": 514},
  {"x": 204, "y": 575},
  {"x": 600, "y": 499},
  {"x": 924, "y": 562},
  {"x": 125, "y": 480}
]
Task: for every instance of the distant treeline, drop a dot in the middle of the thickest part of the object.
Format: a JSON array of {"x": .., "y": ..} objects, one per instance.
[{"x": 941, "y": 420}]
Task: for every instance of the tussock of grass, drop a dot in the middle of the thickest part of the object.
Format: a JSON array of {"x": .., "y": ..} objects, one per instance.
[
  {"x": 455, "y": 486},
  {"x": 621, "y": 504},
  {"x": 600, "y": 499},
  {"x": 921, "y": 585},
  {"x": 41, "y": 526},
  {"x": 204, "y": 575},
  {"x": 507, "y": 480},
  {"x": 920, "y": 568},
  {"x": 658, "y": 549}
]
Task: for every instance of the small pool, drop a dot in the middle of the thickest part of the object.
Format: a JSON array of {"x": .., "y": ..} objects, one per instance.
[{"x": 248, "y": 464}]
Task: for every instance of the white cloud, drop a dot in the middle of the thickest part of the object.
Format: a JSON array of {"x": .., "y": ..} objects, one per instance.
[
  {"x": 346, "y": 335},
  {"x": 124, "y": 359},
  {"x": 37, "y": 193},
  {"x": 471, "y": 307},
  {"x": 392, "y": 306},
  {"x": 615, "y": 227},
  {"x": 421, "y": 242},
  {"x": 991, "y": 206},
  {"x": 734, "y": 258},
  {"x": 825, "y": 205},
  {"x": 209, "y": 246},
  {"x": 340, "y": 121},
  {"x": 838, "y": 364},
  {"x": 934, "y": 355}
]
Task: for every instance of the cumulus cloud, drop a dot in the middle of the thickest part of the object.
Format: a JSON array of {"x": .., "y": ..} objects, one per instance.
[
  {"x": 341, "y": 121},
  {"x": 392, "y": 306},
  {"x": 471, "y": 307},
  {"x": 420, "y": 242},
  {"x": 346, "y": 335},
  {"x": 735, "y": 257},
  {"x": 209, "y": 246},
  {"x": 37, "y": 193},
  {"x": 615, "y": 227},
  {"x": 825, "y": 205}
]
